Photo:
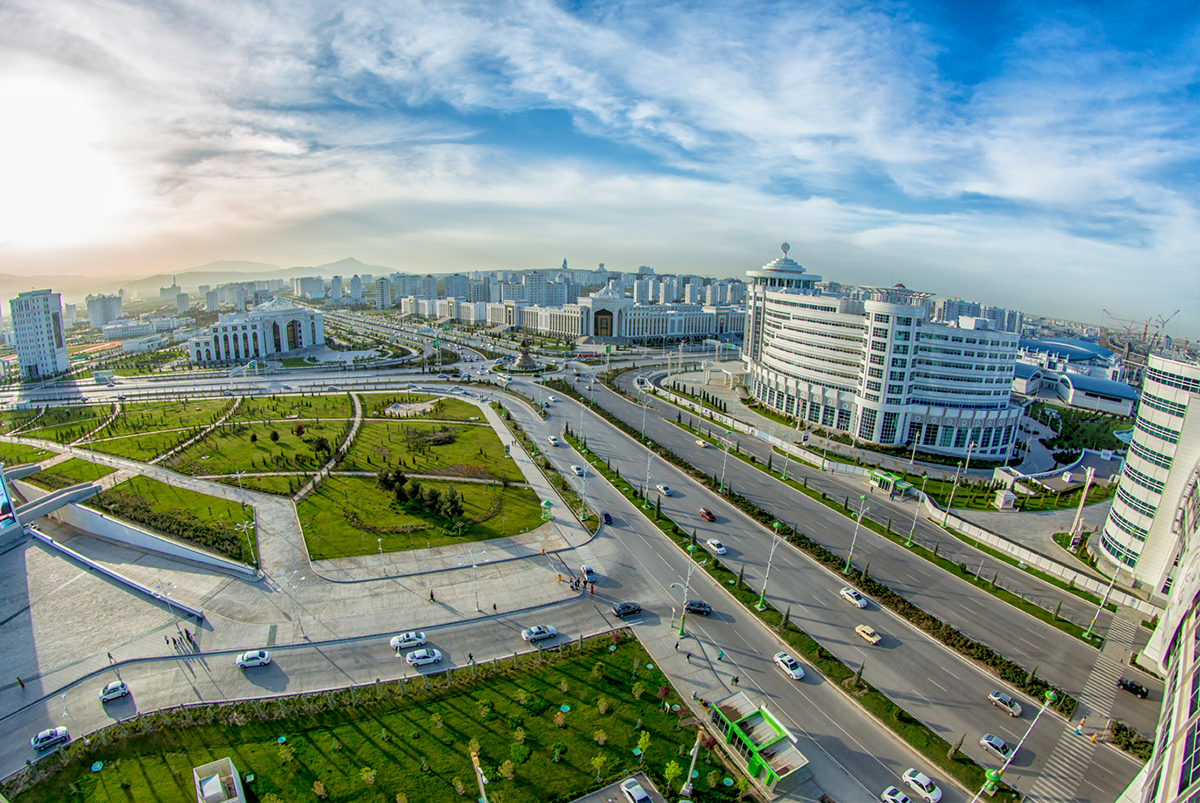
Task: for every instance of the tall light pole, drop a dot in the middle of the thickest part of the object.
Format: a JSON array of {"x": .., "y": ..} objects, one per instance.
[
  {"x": 646, "y": 487},
  {"x": 687, "y": 584},
  {"x": 953, "y": 488},
  {"x": 992, "y": 779},
  {"x": 762, "y": 597},
  {"x": 862, "y": 508},
  {"x": 916, "y": 511},
  {"x": 1088, "y": 633},
  {"x": 645, "y": 406},
  {"x": 687, "y": 785},
  {"x": 583, "y": 512},
  {"x": 474, "y": 580},
  {"x": 244, "y": 527},
  {"x": 289, "y": 586},
  {"x": 382, "y": 567},
  {"x": 480, "y": 778},
  {"x": 724, "y": 460},
  {"x": 164, "y": 592}
]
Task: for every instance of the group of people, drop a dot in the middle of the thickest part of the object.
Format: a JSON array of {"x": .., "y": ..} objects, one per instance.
[
  {"x": 187, "y": 640},
  {"x": 579, "y": 584}
]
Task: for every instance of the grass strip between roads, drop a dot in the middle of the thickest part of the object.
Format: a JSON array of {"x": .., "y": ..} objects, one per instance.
[
  {"x": 67, "y": 473},
  {"x": 914, "y": 732}
]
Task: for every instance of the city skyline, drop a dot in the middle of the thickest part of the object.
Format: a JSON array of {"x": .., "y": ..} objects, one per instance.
[{"x": 968, "y": 153}]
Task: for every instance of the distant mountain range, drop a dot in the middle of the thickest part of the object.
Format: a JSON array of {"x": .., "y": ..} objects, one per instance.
[{"x": 74, "y": 288}]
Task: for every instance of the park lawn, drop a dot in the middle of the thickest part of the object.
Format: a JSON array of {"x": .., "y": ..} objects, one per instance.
[
  {"x": 418, "y": 744},
  {"x": 278, "y": 408},
  {"x": 15, "y": 419},
  {"x": 14, "y": 454},
  {"x": 59, "y": 422},
  {"x": 228, "y": 448},
  {"x": 205, "y": 520},
  {"x": 330, "y": 533},
  {"x": 68, "y": 473},
  {"x": 380, "y": 443},
  {"x": 448, "y": 408},
  {"x": 152, "y": 416},
  {"x": 143, "y": 447},
  {"x": 279, "y": 486}
]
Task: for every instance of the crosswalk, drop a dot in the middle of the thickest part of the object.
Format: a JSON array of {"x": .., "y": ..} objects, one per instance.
[
  {"x": 586, "y": 557},
  {"x": 1071, "y": 757}
]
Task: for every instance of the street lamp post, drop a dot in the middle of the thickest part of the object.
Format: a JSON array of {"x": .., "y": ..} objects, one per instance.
[
  {"x": 290, "y": 587},
  {"x": 989, "y": 786},
  {"x": 916, "y": 511},
  {"x": 646, "y": 487},
  {"x": 645, "y": 406},
  {"x": 862, "y": 508},
  {"x": 164, "y": 591},
  {"x": 382, "y": 567},
  {"x": 953, "y": 488},
  {"x": 474, "y": 580},
  {"x": 583, "y": 512},
  {"x": 244, "y": 527},
  {"x": 687, "y": 584},
  {"x": 687, "y": 785},
  {"x": 1088, "y": 633},
  {"x": 762, "y": 597},
  {"x": 724, "y": 460}
]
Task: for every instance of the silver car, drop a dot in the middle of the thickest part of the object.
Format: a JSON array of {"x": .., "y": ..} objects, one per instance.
[
  {"x": 114, "y": 691},
  {"x": 413, "y": 638},
  {"x": 253, "y": 658},
  {"x": 48, "y": 738},
  {"x": 1002, "y": 700}
]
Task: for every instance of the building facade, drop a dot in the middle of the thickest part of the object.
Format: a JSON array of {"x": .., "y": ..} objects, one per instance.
[
  {"x": 268, "y": 330},
  {"x": 383, "y": 293},
  {"x": 103, "y": 309},
  {"x": 867, "y": 362},
  {"x": 39, "y": 333},
  {"x": 1143, "y": 531}
]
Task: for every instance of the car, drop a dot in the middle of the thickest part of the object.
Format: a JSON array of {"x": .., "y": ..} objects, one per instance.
[
  {"x": 423, "y": 656},
  {"x": 538, "y": 633},
  {"x": 588, "y": 574},
  {"x": 664, "y": 490},
  {"x": 633, "y": 792},
  {"x": 287, "y": 387},
  {"x": 868, "y": 632},
  {"x": 696, "y": 606},
  {"x": 1133, "y": 688},
  {"x": 413, "y": 638},
  {"x": 114, "y": 691},
  {"x": 790, "y": 666},
  {"x": 996, "y": 746},
  {"x": 253, "y": 658},
  {"x": 227, "y": 393},
  {"x": 716, "y": 546},
  {"x": 553, "y": 398},
  {"x": 553, "y": 440},
  {"x": 48, "y": 738},
  {"x": 701, "y": 444},
  {"x": 606, "y": 517},
  {"x": 920, "y": 783},
  {"x": 442, "y": 376},
  {"x": 623, "y": 609},
  {"x": 853, "y": 597},
  {"x": 578, "y": 470},
  {"x": 708, "y": 514},
  {"x": 894, "y": 795},
  {"x": 332, "y": 387},
  {"x": 1002, "y": 700}
]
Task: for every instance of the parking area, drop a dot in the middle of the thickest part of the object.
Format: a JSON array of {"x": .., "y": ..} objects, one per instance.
[{"x": 612, "y": 792}]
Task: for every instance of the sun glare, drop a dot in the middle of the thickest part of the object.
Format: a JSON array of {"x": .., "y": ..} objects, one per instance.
[{"x": 58, "y": 186}]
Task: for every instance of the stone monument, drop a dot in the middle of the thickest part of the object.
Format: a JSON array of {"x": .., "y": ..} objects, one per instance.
[{"x": 525, "y": 362}]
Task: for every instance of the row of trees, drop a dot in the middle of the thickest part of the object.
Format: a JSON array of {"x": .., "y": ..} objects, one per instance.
[{"x": 448, "y": 505}]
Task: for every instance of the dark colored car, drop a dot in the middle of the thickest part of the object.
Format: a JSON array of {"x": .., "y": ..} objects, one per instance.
[
  {"x": 623, "y": 609},
  {"x": 708, "y": 514},
  {"x": 696, "y": 606},
  {"x": 607, "y": 518},
  {"x": 1133, "y": 688}
]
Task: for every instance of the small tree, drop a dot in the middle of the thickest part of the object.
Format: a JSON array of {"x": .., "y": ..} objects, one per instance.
[
  {"x": 436, "y": 719},
  {"x": 368, "y": 776},
  {"x": 506, "y": 770},
  {"x": 859, "y": 673},
  {"x": 643, "y": 745},
  {"x": 954, "y": 748},
  {"x": 560, "y": 719},
  {"x": 598, "y": 761},
  {"x": 319, "y": 789},
  {"x": 518, "y": 736},
  {"x": 600, "y": 737},
  {"x": 638, "y": 690},
  {"x": 671, "y": 772},
  {"x": 713, "y": 779},
  {"x": 274, "y": 436},
  {"x": 743, "y": 786},
  {"x": 458, "y": 786},
  {"x": 253, "y": 438}
]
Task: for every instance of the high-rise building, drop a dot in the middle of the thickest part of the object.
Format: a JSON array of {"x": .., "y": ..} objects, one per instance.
[
  {"x": 691, "y": 293},
  {"x": 477, "y": 293},
  {"x": 68, "y": 315},
  {"x": 335, "y": 289},
  {"x": 455, "y": 286},
  {"x": 182, "y": 302},
  {"x": 103, "y": 309},
  {"x": 355, "y": 289},
  {"x": 169, "y": 293},
  {"x": 1141, "y": 534},
  {"x": 211, "y": 302},
  {"x": 866, "y": 361},
  {"x": 383, "y": 293},
  {"x": 426, "y": 287},
  {"x": 641, "y": 292},
  {"x": 203, "y": 289},
  {"x": 38, "y": 329}
]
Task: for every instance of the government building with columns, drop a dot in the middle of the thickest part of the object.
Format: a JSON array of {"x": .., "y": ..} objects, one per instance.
[
  {"x": 269, "y": 330},
  {"x": 866, "y": 361}
]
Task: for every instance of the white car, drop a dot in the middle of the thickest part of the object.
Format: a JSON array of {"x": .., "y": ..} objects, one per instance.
[
  {"x": 553, "y": 440},
  {"x": 1002, "y": 700},
  {"x": 996, "y": 746},
  {"x": 853, "y": 597},
  {"x": 633, "y": 791},
  {"x": 253, "y": 658},
  {"x": 538, "y": 633},
  {"x": 664, "y": 490},
  {"x": 578, "y": 470},
  {"x": 920, "y": 783},
  {"x": 553, "y": 399},
  {"x": 48, "y": 738},
  {"x": 413, "y": 638},
  {"x": 422, "y": 657},
  {"x": 716, "y": 546},
  {"x": 790, "y": 666},
  {"x": 114, "y": 691},
  {"x": 894, "y": 795}
]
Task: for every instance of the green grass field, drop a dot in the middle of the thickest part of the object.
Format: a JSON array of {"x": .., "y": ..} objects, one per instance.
[
  {"x": 144, "y": 447},
  {"x": 15, "y": 419},
  {"x": 68, "y": 473},
  {"x": 14, "y": 454},
  {"x": 188, "y": 515},
  {"x": 475, "y": 451},
  {"x": 271, "y": 485},
  {"x": 330, "y": 533},
  {"x": 278, "y": 408},
  {"x": 446, "y": 410},
  {"x": 150, "y": 417},
  {"x": 229, "y": 448},
  {"x": 65, "y": 424},
  {"x": 417, "y": 746}
]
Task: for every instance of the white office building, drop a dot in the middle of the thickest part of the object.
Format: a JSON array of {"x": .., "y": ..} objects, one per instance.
[
  {"x": 269, "y": 330},
  {"x": 1142, "y": 533},
  {"x": 38, "y": 330},
  {"x": 211, "y": 301},
  {"x": 383, "y": 293},
  {"x": 455, "y": 286},
  {"x": 867, "y": 362},
  {"x": 355, "y": 289},
  {"x": 103, "y": 309}
]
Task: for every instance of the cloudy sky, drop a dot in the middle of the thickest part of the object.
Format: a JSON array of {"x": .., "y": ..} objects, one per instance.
[{"x": 1032, "y": 154}]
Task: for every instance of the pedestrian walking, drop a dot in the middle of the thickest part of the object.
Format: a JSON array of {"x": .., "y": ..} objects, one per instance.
[
  {"x": 677, "y": 646},
  {"x": 494, "y": 608},
  {"x": 689, "y": 657},
  {"x": 431, "y": 597},
  {"x": 20, "y": 683},
  {"x": 110, "y": 659},
  {"x": 735, "y": 680},
  {"x": 187, "y": 634},
  {"x": 720, "y": 655},
  {"x": 168, "y": 640}
]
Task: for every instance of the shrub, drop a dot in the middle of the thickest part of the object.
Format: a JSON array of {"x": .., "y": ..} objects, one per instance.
[{"x": 519, "y": 752}]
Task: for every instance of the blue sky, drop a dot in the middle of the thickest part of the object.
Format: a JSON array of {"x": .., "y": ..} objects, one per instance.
[{"x": 1036, "y": 155}]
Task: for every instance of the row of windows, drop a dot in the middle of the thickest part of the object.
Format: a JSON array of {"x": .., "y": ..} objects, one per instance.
[
  {"x": 1173, "y": 380},
  {"x": 1149, "y": 455},
  {"x": 1123, "y": 554},
  {"x": 1140, "y": 506},
  {"x": 1144, "y": 480},
  {"x": 1173, "y": 408},
  {"x": 1127, "y": 526},
  {"x": 1156, "y": 430}
]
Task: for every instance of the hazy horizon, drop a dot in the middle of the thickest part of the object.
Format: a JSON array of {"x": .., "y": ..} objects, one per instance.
[{"x": 1040, "y": 157}]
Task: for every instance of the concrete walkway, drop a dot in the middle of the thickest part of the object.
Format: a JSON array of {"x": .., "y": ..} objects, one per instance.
[{"x": 1035, "y": 529}]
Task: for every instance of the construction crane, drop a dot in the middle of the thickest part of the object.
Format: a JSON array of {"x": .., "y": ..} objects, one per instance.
[
  {"x": 1129, "y": 324},
  {"x": 1159, "y": 325}
]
